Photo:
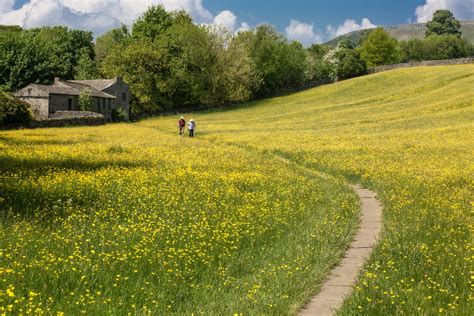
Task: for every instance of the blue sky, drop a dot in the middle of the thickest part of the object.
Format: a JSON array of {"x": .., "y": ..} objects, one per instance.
[
  {"x": 319, "y": 12},
  {"x": 309, "y": 21}
]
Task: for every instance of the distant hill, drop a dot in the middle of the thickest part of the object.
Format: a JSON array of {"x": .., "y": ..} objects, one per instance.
[{"x": 404, "y": 32}]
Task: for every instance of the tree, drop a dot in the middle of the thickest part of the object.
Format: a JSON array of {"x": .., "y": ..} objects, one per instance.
[
  {"x": 241, "y": 79},
  {"x": 380, "y": 49},
  {"x": 443, "y": 22},
  {"x": 40, "y": 54},
  {"x": 345, "y": 63},
  {"x": 412, "y": 50},
  {"x": 85, "y": 100},
  {"x": 107, "y": 41},
  {"x": 350, "y": 64},
  {"x": 280, "y": 65},
  {"x": 318, "y": 51},
  {"x": 446, "y": 46},
  {"x": 86, "y": 67},
  {"x": 346, "y": 43},
  {"x": 153, "y": 23},
  {"x": 317, "y": 68}
]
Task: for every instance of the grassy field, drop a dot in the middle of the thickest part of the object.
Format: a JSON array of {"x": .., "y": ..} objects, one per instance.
[{"x": 133, "y": 218}]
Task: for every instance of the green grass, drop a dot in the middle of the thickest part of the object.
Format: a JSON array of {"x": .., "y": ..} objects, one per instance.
[{"x": 249, "y": 233}]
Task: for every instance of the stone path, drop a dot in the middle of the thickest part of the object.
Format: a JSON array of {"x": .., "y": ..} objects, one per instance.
[{"x": 342, "y": 278}]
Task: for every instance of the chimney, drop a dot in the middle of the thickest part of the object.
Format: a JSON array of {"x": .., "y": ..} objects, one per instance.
[{"x": 56, "y": 80}]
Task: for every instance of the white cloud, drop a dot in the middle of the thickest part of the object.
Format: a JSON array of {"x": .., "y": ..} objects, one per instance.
[
  {"x": 462, "y": 9},
  {"x": 349, "y": 26},
  {"x": 226, "y": 19},
  {"x": 6, "y": 6},
  {"x": 243, "y": 27},
  {"x": 303, "y": 32},
  {"x": 54, "y": 12},
  {"x": 97, "y": 15}
]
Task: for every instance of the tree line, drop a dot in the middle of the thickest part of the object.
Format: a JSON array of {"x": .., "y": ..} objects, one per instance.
[{"x": 172, "y": 64}]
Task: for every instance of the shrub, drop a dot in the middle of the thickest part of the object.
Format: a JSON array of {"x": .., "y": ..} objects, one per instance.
[
  {"x": 119, "y": 114},
  {"x": 14, "y": 112},
  {"x": 85, "y": 100}
]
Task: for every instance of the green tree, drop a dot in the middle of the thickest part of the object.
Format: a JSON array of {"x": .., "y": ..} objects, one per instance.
[
  {"x": 350, "y": 64},
  {"x": 241, "y": 77},
  {"x": 412, "y": 50},
  {"x": 86, "y": 68},
  {"x": 345, "y": 63},
  {"x": 346, "y": 43},
  {"x": 445, "y": 46},
  {"x": 153, "y": 23},
  {"x": 105, "y": 43},
  {"x": 85, "y": 100},
  {"x": 40, "y": 54},
  {"x": 318, "y": 50},
  {"x": 141, "y": 65},
  {"x": 317, "y": 68},
  {"x": 443, "y": 22},
  {"x": 380, "y": 49},
  {"x": 279, "y": 64}
]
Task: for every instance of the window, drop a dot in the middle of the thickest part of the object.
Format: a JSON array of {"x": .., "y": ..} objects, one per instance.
[
  {"x": 98, "y": 105},
  {"x": 109, "y": 101},
  {"x": 124, "y": 97},
  {"x": 103, "y": 104},
  {"x": 69, "y": 104}
]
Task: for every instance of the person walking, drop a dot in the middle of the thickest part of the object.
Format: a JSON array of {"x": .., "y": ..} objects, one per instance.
[
  {"x": 181, "y": 125},
  {"x": 191, "y": 127}
]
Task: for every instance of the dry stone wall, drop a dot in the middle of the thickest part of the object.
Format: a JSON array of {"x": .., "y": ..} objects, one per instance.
[{"x": 458, "y": 61}]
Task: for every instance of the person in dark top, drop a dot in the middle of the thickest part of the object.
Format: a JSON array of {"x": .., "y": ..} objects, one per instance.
[{"x": 181, "y": 125}]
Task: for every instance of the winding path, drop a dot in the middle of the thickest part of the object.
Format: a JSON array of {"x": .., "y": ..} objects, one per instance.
[{"x": 342, "y": 277}]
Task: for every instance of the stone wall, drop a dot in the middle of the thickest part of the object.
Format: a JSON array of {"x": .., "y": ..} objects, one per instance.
[
  {"x": 75, "y": 114},
  {"x": 121, "y": 91},
  {"x": 458, "y": 61},
  {"x": 70, "y": 118},
  {"x": 60, "y": 102},
  {"x": 39, "y": 106},
  {"x": 103, "y": 106},
  {"x": 37, "y": 98}
]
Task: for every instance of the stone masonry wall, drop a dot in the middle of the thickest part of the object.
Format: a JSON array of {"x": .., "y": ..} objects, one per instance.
[
  {"x": 117, "y": 90},
  {"x": 59, "y": 102},
  {"x": 39, "y": 106},
  {"x": 458, "y": 61}
]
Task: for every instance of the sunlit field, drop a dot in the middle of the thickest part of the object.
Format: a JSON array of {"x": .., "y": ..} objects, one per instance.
[{"x": 132, "y": 218}]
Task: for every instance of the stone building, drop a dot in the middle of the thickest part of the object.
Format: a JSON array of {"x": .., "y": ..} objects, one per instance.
[{"x": 63, "y": 95}]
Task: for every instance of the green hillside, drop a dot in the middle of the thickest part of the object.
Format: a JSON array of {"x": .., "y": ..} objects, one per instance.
[
  {"x": 404, "y": 32},
  {"x": 132, "y": 218}
]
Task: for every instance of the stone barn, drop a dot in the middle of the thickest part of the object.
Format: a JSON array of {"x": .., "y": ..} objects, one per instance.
[{"x": 63, "y": 95}]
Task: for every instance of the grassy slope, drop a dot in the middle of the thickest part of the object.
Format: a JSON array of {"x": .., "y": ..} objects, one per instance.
[
  {"x": 406, "y": 133},
  {"x": 409, "y": 135},
  {"x": 129, "y": 219}
]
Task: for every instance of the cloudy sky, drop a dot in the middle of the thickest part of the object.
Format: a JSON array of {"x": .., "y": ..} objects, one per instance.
[{"x": 308, "y": 21}]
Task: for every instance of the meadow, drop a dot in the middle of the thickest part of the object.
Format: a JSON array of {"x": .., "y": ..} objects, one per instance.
[{"x": 132, "y": 218}]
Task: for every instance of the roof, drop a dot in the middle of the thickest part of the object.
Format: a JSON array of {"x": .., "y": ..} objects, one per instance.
[
  {"x": 97, "y": 84},
  {"x": 70, "y": 88}
]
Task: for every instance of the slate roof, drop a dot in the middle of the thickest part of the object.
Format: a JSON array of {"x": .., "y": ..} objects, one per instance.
[
  {"x": 97, "y": 84},
  {"x": 70, "y": 88}
]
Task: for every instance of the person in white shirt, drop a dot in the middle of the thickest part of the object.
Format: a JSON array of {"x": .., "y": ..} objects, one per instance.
[{"x": 191, "y": 127}]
